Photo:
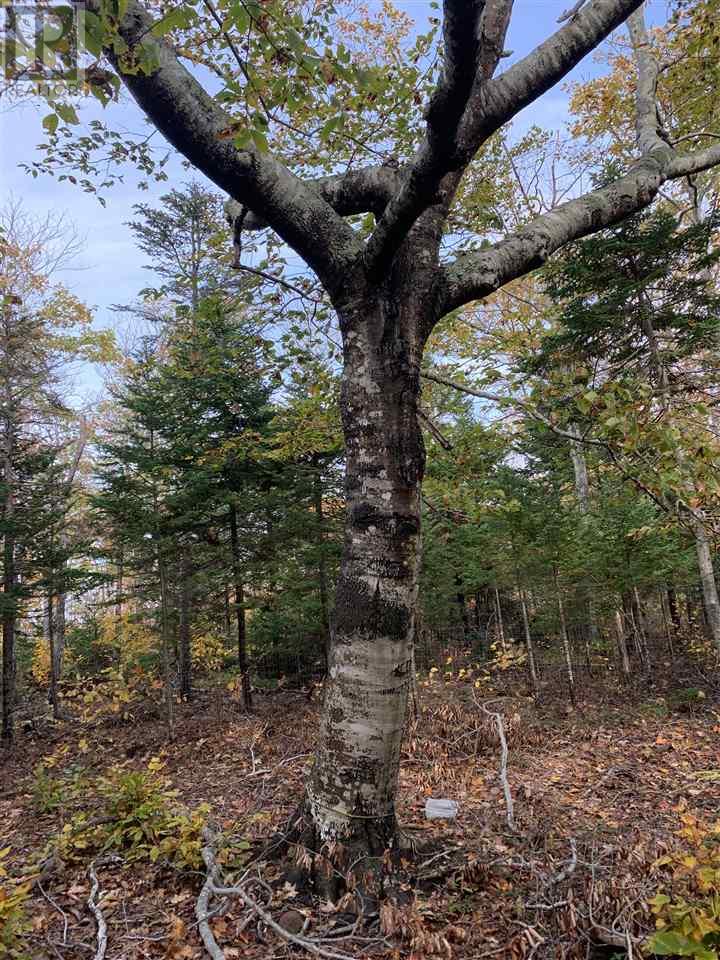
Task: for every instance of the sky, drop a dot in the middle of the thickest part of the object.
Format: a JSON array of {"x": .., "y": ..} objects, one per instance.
[{"x": 110, "y": 269}]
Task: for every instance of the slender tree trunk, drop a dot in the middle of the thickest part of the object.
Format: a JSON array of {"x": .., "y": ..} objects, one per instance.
[
  {"x": 501, "y": 625},
  {"x": 641, "y": 630},
  {"x": 119, "y": 598},
  {"x": 711, "y": 599},
  {"x": 239, "y": 609},
  {"x": 228, "y": 623},
  {"x": 529, "y": 644},
  {"x": 622, "y": 646},
  {"x": 591, "y": 633},
  {"x": 707, "y": 580},
  {"x": 9, "y": 608},
  {"x": 165, "y": 640},
  {"x": 673, "y": 607},
  {"x": 53, "y": 688},
  {"x": 60, "y": 621},
  {"x": 662, "y": 595},
  {"x": 462, "y": 608},
  {"x": 565, "y": 642},
  {"x": 352, "y": 789},
  {"x": 184, "y": 654}
]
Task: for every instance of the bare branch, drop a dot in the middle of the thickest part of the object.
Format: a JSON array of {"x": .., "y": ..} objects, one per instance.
[
  {"x": 434, "y": 159},
  {"x": 98, "y": 914},
  {"x": 514, "y": 402},
  {"x": 570, "y": 13},
  {"x": 435, "y": 172},
  {"x": 474, "y": 276},
  {"x": 211, "y": 888},
  {"x": 500, "y": 728},
  {"x": 435, "y": 430}
]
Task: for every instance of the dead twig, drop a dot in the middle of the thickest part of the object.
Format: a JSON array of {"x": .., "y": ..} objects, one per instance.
[
  {"x": 212, "y": 888},
  {"x": 98, "y": 914},
  {"x": 566, "y": 871},
  {"x": 59, "y": 910},
  {"x": 500, "y": 727}
]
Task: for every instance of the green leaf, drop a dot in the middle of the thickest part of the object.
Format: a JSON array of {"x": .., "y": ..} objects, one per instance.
[
  {"x": 179, "y": 18},
  {"x": 50, "y": 123},
  {"x": 93, "y": 33},
  {"x": 668, "y": 943},
  {"x": 67, "y": 112},
  {"x": 260, "y": 140}
]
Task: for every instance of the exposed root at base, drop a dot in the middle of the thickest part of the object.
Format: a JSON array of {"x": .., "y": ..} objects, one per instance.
[{"x": 213, "y": 888}]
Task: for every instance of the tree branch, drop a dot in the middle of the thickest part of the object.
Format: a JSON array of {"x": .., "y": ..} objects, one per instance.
[
  {"x": 433, "y": 160},
  {"x": 476, "y": 275},
  {"x": 490, "y": 105},
  {"x": 365, "y": 190},
  {"x": 513, "y": 402},
  {"x": 495, "y": 103},
  {"x": 647, "y": 122},
  {"x": 192, "y": 121}
]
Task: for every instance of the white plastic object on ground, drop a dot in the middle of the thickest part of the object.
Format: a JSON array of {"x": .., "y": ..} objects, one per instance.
[{"x": 441, "y": 809}]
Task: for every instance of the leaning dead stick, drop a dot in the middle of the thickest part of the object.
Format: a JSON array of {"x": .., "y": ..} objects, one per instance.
[{"x": 500, "y": 727}]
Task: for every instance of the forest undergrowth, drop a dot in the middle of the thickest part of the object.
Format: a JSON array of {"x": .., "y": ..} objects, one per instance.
[{"x": 608, "y": 832}]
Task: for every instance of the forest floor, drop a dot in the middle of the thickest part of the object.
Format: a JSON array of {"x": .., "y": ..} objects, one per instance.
[{"x": 599, "y": 794}]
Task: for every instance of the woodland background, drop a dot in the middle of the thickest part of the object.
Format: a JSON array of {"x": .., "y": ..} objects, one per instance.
[{"x": 170, "y": 555}]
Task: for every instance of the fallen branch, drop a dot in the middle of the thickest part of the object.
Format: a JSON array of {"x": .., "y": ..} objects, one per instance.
[
  {"x": 212, "y": 888},
  {"x": 59, "y": 909},
  {"x": 566, "y": 871},
  {"x": 98, "y": 914}
]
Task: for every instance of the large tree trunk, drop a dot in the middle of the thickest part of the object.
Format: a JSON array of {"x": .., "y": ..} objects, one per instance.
[
  {"x": 322, "y": 568},
  {"x": 353, "y": 785}
]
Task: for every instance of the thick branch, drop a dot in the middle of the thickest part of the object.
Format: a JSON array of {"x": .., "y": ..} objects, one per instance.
[
  {"x": 461, "y": 52},
  {"x": 195, "y": 125},
  {"x": 477, "y": 275},
  {"x": 434, "y": 159},
  {"x": 687, "y": 164},
  {"x": 497, "y": 102},
  {"x": 491, "y": 104},
  {"x": 647, "y": 124},
  {"x": 366, "y": 190}
]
